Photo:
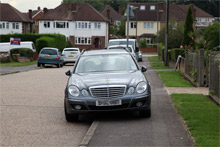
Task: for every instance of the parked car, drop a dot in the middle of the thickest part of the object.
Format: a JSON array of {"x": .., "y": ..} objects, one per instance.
[
  {"x": 129, "y": 48},
  {"x": 132, "y": 42},
  {"x": 6, "y": 46},
  {"x": 140, "y": 56},
  {"x": 70, "y": 55},
  {"x": 50, "y": 56},
  {"x": 106, "y": 80}
]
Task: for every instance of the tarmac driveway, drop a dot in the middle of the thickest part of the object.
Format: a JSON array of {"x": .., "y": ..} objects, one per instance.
[{"x": 31, "y": 110}]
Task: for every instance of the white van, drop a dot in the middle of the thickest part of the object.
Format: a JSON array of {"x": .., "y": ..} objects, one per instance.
[
  {"x": 119, "y": 42},
  {"x": 6, "y": 46}
]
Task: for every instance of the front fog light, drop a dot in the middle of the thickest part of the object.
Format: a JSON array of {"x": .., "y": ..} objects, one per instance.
[
  {"x": 131, "y": 90},
  {"x": 139, "y": 104},
  {"x": 77, "y": 107}
]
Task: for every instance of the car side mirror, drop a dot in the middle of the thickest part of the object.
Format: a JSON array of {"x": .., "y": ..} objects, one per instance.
[
  {"x": 68, "y": 73},
  {"x": 143, "y": 68},
  {"x": 136, "y": 49}
]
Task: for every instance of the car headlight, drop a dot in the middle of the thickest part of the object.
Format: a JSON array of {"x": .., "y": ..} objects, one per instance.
[
  {"x": 131, "y": 90},
  {"x": 141, "y": 87},
  {"x": 73, "y": 90},
  {"x": 85, "y": 93}
]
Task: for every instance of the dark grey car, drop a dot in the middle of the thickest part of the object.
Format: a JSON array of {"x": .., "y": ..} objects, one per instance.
[{"x": 106, "y": 80}]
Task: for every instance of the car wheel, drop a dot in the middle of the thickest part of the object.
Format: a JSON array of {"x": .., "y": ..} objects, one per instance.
[
  {"x": 43, "y": 65},
  {"x": 71, "y": 117},
  {"x": 38, "y": 64},
  {"x": 145, "y": 113},
  {"x": 64, "y": 63},
  {"x": 58, "y": 65},
  {"x": 61, "y": 65}
]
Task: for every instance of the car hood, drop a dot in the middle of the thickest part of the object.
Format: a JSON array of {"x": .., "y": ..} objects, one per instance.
[{"x": 111, "y": 78}]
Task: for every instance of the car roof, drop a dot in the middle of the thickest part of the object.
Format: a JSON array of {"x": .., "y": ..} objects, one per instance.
[
  {"x": 70, "y": 48},
  {"x": 121, "y": 39},
  {"x": 104, "y": 52},
  {"x": 50, "y": 48}
]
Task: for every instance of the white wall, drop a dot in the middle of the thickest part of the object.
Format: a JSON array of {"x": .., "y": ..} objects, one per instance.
[
  {"x": 10, "y": 30},
  {"x": 72, "y": 31}
]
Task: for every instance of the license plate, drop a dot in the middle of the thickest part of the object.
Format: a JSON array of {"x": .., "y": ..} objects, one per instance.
[
  {"x": 48, "y": 57},
  {"x": 71, "y": 56},
  {"x": 108, "y": 102}
]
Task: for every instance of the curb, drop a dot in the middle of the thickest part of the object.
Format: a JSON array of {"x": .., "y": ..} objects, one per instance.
[{"x": 89, "y": 134}]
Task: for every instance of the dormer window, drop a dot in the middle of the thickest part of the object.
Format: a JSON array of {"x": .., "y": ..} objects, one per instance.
[
  {"x": 152, "y": 7},
  {"x": 142, "y": 7}
]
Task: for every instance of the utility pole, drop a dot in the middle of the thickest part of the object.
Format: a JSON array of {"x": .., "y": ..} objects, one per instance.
[
  {"x": 128, "y": 8},
  {"x": 166, "y": 34}
]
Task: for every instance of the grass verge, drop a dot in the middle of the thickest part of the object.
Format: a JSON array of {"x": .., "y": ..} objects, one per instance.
[
  {"x": 17, "y": 64},
  {"x": 156, "y": 63},
  {"x": 201, "y": 116},
  {"x": 173, "y": 79}
]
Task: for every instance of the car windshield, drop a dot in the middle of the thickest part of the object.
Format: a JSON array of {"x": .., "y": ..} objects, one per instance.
[
  {"x": 103, "y": 63},
  {"x": 111, "y": 43},
  {"x": 49, "y": 52}
]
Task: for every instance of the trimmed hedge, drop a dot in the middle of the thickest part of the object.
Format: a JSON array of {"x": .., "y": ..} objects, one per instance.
[
  {"x": 44, "y": 42},
  {"x": 174, "y": 53},
  {"x": 21, "y": 52},
  {"x": 59, "y": 40}
]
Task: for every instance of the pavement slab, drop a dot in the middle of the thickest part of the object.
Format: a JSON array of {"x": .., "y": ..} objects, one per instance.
[{"x": 164, "y": 128}]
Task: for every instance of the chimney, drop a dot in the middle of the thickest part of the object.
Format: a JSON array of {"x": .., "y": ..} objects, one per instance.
[
  {"x": 45, "y": 10},
  {"x": 30, "y": 14},
  {"x": 108, "y": 14},
  {"x": 38, "y": 8},
  {"x": 119, "y": 9}
]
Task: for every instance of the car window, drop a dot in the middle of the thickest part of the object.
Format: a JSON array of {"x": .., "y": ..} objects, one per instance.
[
  {"x": 111, "y": 43},
  {"x": 121, "y": 48},
  {"x": 49, "y": 52},
  {"x": 103, "y": 63},
  {"x": 70, "y": 52}
]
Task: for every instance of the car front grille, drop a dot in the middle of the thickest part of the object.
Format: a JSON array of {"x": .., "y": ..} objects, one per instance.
[{"x": 108, "y": 91}]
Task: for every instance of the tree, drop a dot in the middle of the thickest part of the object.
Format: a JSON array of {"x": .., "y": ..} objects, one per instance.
[
  {"x": 188, "y": 39},
  {"x": 175, "y": 34}
]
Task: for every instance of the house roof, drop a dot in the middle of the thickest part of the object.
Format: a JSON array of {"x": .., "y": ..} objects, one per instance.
[
  {"x": 113, "y": 14},
  {"x": 9, "y": 13},
  {"x": 74, "y": 12},
  {"x": 176, "y": 12}
]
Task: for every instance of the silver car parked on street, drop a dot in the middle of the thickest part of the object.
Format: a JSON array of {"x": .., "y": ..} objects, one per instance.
[{"x": 70, "y": 55}]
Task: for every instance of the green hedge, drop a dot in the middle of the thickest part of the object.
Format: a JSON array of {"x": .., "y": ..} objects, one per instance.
[
  {"x": 21, "y": 52},
  {"x": 174, "y": 53},
  {"x": 59, "y": 40},
  {"x": 45, "y": 42}
]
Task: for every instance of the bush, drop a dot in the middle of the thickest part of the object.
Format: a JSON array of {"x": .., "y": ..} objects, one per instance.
[
  {"x": 44, "y": 42},
  {"x": 143, "y": 43},
  {"x": 21, "y": 52},
  {"x": 59, "y": 40},
  {"x": 4, "y": 57},
  {"x": 160, "y": 47},
  {"x": 174, "y": 53},
  {"x": 69, "y": 43}
]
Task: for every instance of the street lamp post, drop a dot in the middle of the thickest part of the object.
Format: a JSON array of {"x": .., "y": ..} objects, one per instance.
[
  {"x": 128, "y": 15},
  {"x": 158, "y": 15}
]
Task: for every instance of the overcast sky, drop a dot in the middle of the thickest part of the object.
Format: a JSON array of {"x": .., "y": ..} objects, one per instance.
[{"x": 25, "y": 5}]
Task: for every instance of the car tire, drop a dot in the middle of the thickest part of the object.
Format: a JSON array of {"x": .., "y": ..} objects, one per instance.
[
  {"x": 58, "y": 65},
  {"x": 43, "y": 65},
  {"x": 38, "y": 64},
  {"x": 71, "y": 117},
  {"x": 61, "y": 65},
  {"x": 145, "y": 113},
  {"x": 64, "y": 64}
]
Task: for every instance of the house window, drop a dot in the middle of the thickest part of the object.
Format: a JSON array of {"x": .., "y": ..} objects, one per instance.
[
  {"x": 148, "y": 25},
  {"x": 207, "y": 20},
  {"x": 198, "y": 19},
  {"x": 2, "y": 25},
  {"x": 152, "y": 7},
  {"x": 83, "y": 25},
  {"x": 60, "y": 24},
  {"x": 86, "y": 25},
  {"x": 47, "y": 24},
  {"x": 79, "y": 25},
  {"x": 15, "y": 26},
  {"x": 89, "y": 25},
  {"x": 83, "y": 40},
  {"x": 142, "y": 7},
  {"x": 133, "y": 25},
  {"x": 67, "y": 25},
  {"x": 7, "y": 25},
  {"x": 97, "y": 25}
]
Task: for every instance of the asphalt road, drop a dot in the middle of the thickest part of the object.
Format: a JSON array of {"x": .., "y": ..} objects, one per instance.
[
  {"x": 31, "y": 110},
  {"x": 163, "y": 129}
]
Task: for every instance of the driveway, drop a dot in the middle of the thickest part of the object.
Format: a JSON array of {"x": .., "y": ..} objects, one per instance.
[{"x": 31, "y": 110}]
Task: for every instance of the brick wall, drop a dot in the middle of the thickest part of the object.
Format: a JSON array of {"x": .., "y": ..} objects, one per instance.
[{"x": 148, "y": 50}]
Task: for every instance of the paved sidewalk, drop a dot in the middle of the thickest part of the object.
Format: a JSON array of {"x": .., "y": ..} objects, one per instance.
[{"x": 7, "y": 70}]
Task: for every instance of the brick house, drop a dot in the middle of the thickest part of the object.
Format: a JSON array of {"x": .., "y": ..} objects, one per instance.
[
  {"x": 82, "y": 24},
  {"x": 114, "y": 17},
  {"x": 13, "y": 21}
]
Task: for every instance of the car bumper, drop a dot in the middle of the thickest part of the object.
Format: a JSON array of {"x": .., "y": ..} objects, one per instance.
[
  {"x": 49, "y": 61},
  {"x": 89, "y": 105}
]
